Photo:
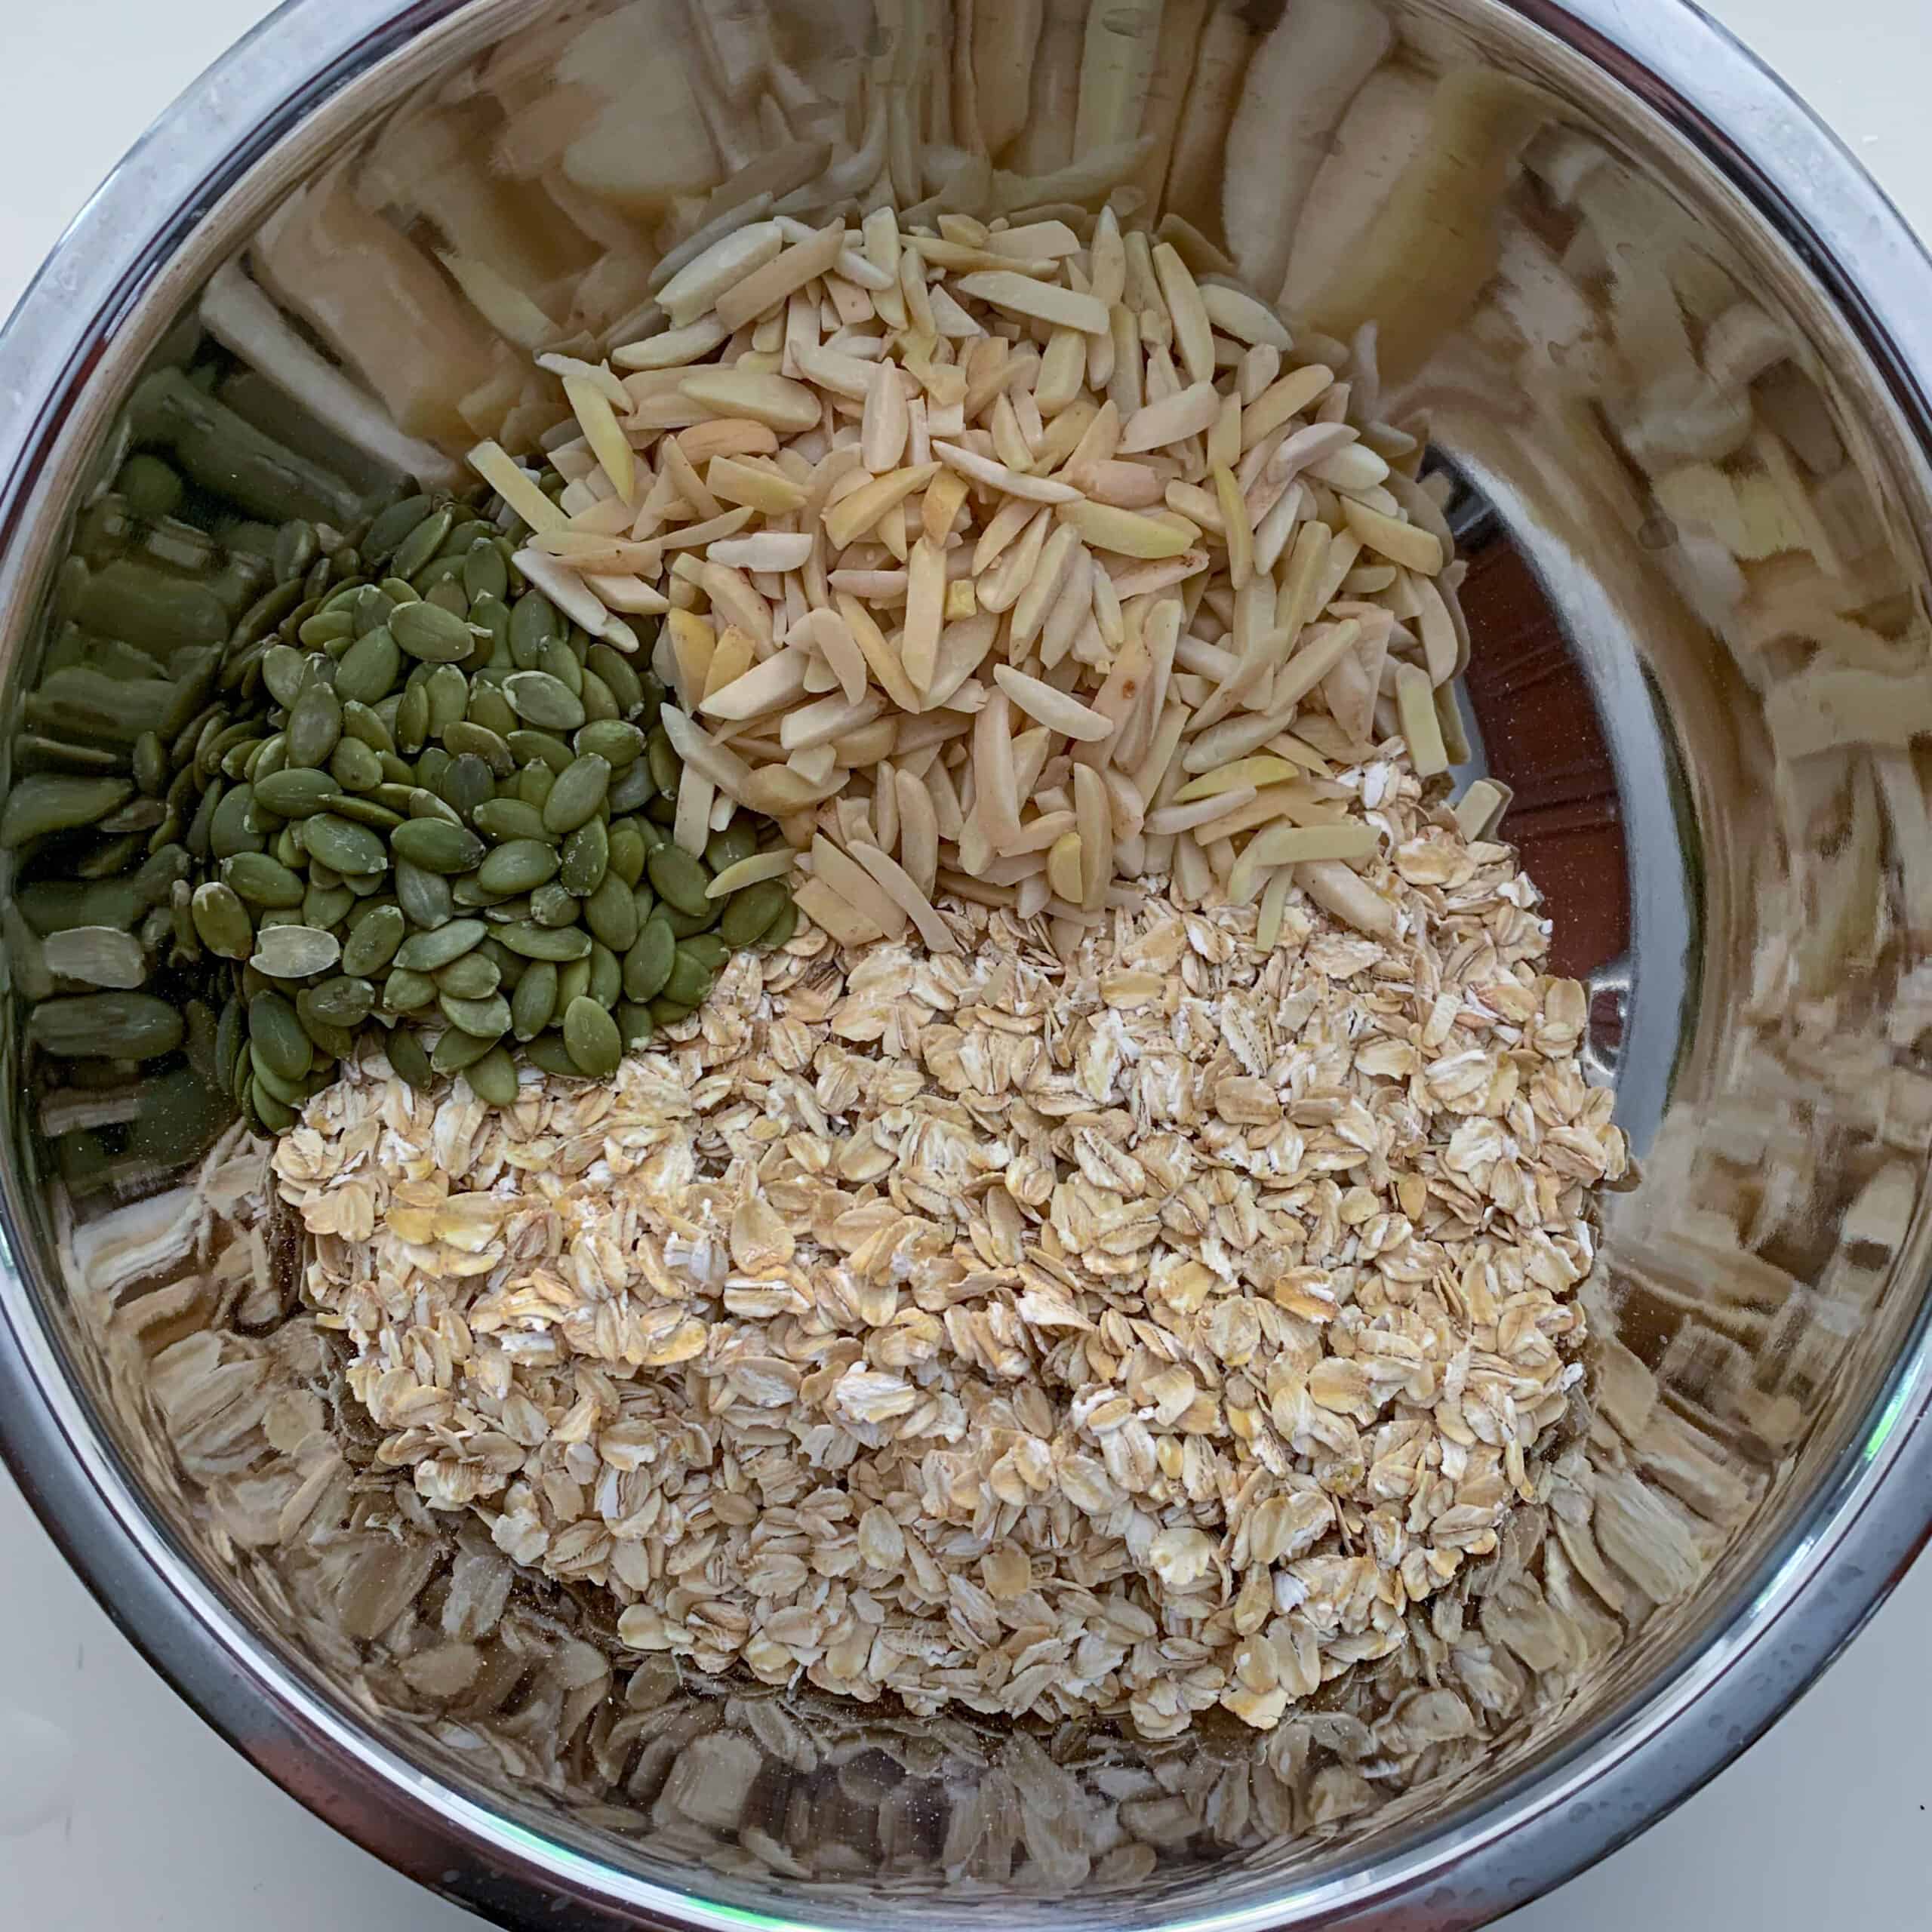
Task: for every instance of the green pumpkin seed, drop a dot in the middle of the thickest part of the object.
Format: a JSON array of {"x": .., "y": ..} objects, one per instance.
[
  {"x": 288, "y": 849},
  {"x": 331, "y": 1042},
  {"x": 314, "y": 723},
  {"x": 691, "y": 980},
  {"x": 611, "y": 913},
  {"x": 352, "y": 849},
  {"x": 591, "y": 1036},
  {"x": 467, "y": 739},
  {"x": 634, "y": 1024},
  {"x": 526, "y": 745},
  {"x": 780, "y": 932},
  {"x": 346, "y": 1001},
  {"x": 427, "y": 631},
  {"x": 535, "y": 942},
  {"x": 678, "y": 879},
  {"x": 685, "y": 924},
  {"x": 271, "y": 1114},
  {"x": 449, "y": 698},
  {"x": 473, "y": 976},
  {"x": 365, "y": 725},
  {"x": 97, "y": 955},
  {"x": 493, "y": 1079},
  {"x": 645, "y": 900},
  {"x": 422, "y": 544},
  {"x": 606, "y": 983},
  {"x": 296, "y": 791},
  {"x": 325, "y": 628},
  {"x": 669, "y": 1012},
  {"x": 509, "y": 818},
  {"x": 599, "y": 706},
  {"x": 359, "y": 810},
  {"x": 738, "y": 840},
  {"x": 534, "y": 782},
  {"x": 405, "y": 991},
  {"x": 666, "y": 768},
  {"x": 368, "y": 669},
  {"x": 425, "y": 897},
  {"x": 150, "y": 764},
  {"x": 222, "y": 920},
  {"x": 424, "y": 803},
  {"x": 392, "y": 525},
  {"x": 412, "y": 720},
  {"x": 373, "y": 942},
  {"x": 484, "y": 573},
  {"x": 541, "y": 698},
  {"x": 520, "y": 866},
  {"x": 620, "y": 744},
  {"x": 634, "y": 789},
  {"x": 466, "y": 784},
  {"x": 431, "y": 951},
  {"x": 708, "y": 949},
  {"x": 487, "y": 1018},
  {"x": 554, "y": 905},
  {"x": 436, "y": 845},
  {"x": 457, "y": 1049},
  {"x": 489, "y": 708},
  {"x": 326, "y": 905},
  {"x": 404, "y": 1053},
  {"x": 294, "y": 952},
  {"x": 533, "y": 624},
  {"x": 648, "y": 963},
  {"x": 114, "y": 1025},
  {"x": 618, "y": 679},
  {"x": 626, "y": 853},
  {"x": 275, "y": 1033},
  {"x": 580, "y": 788},
  {"x": 749, "y": 912},
  {"x": 549, "y": 1053},
  {"x": 354, "y": 766},
  {"x": 534, "y": 1001},
  {"x": 586, "y": 857},
  {"x": 263, "y": 881}
]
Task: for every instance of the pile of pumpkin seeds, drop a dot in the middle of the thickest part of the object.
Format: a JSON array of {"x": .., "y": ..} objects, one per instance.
[{"x": 282, "y": 783}]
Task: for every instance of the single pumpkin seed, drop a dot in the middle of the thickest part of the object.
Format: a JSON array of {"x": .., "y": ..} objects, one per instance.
[
  {"x": 431, "y": 951},
  {"x": 295, "y": 952},
  {"x": 611, "y": 913},
  {"x": 648, "y": 964},
  {"x": 487, "y": 1018},
  {"x": 457, "y": 1049},
  {"x": 354, "y": 766},
  {"x": 425, "y": 897},
  {"x": 533, "y": 624},
  {"x": 554, "y": 905},
  {"x": 369, "y": 668},
  {"x": 536, "y": 942},
  {"x": 314, "y": 723},
  {"x": 484, "y": 573},
  {"x": 634, "y": 1024},
  {"x": 473, "y": 976},
  {"x": 504, "y": 819},
  {"x": 580, "y": 788},
  {"x": 373, "y": 940},
  {"x": 520, "y": 866},
  {"x": 404, "y": 1053},
  {"x": 275, "y": 1033},
  {"x": 296, "y": 791},
  {"x": 222, "y": 920},
  {"x": 549, "y": 1053},
  {"x": 738, "y": 840},
  {"x": 534, "y": 1001},
  {"x": 493, "y": 1079},
  {"x": 620, "y": 744},
  {"x": 678, "y": 879},
  {"x": 666, "y": 768},
  {"x": 634, "y": 789},
  {"x": 347, "y": 1000},
  {"x": 749, "y": 912},
  {"x": 466, "y": 784},
  {"x": 436, "y": 845},
  {"x": 780, "y": 932},
  {"x": 591, "y": 1036},
  {"x": 263, "y": 881},
  {"x": 587, "y": 857},
  {"x": 406, "y": 991},
  {"x": 352, "y": 849},
  {"x": 449, "y": 695},
  {"x": 526, "y": 744},
  {"x": 465, "y": 738},
  {"x": 690, "y": 979},
  {"x": 542, "y": 699},
  {"x": 422, "y": 544},
  {"x": 50, "y": 801},
  {"x": 626, "y": 852}
]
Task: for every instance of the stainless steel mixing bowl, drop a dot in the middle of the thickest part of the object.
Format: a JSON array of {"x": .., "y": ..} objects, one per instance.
[{"x": 1674, "y": 348}]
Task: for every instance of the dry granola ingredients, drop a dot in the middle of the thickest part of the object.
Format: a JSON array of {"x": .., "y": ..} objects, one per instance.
[{"x": 1125, "y": 1335}]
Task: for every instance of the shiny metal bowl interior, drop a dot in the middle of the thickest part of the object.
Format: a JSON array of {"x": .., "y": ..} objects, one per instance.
[{"x": 1674, "y": 358}]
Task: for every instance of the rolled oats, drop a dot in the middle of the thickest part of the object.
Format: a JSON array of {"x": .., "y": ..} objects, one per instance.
[{"x": 1126, "y": 1336}]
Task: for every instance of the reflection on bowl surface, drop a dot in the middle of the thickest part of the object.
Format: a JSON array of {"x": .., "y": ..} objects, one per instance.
[{"x": 1684, "y": 467}]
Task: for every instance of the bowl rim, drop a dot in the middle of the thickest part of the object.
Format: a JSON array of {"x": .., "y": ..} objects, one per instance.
[{"x": 1769, "y": 1637}]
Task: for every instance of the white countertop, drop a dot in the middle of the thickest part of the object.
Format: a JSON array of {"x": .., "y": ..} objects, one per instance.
[{"x": 120, "y": 1812}]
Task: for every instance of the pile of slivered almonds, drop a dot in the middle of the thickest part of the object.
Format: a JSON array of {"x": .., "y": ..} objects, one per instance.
[
  {"x": 1121, "y": 1254},
  {"x": 1006, "y": 564}
]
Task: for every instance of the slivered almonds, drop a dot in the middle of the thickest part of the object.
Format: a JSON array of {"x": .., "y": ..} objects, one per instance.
[{"x": 917, "y": 468}]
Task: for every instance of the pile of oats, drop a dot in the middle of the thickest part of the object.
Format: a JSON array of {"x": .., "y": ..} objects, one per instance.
[{"x": 1125, "y": 1336}]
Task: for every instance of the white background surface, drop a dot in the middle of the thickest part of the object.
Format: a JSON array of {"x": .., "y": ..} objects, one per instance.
[{"x": 120, "y": 1812}]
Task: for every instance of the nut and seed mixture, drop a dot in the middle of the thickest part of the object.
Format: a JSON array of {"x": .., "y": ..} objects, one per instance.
[{"x": 1125, "y": 1335}]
